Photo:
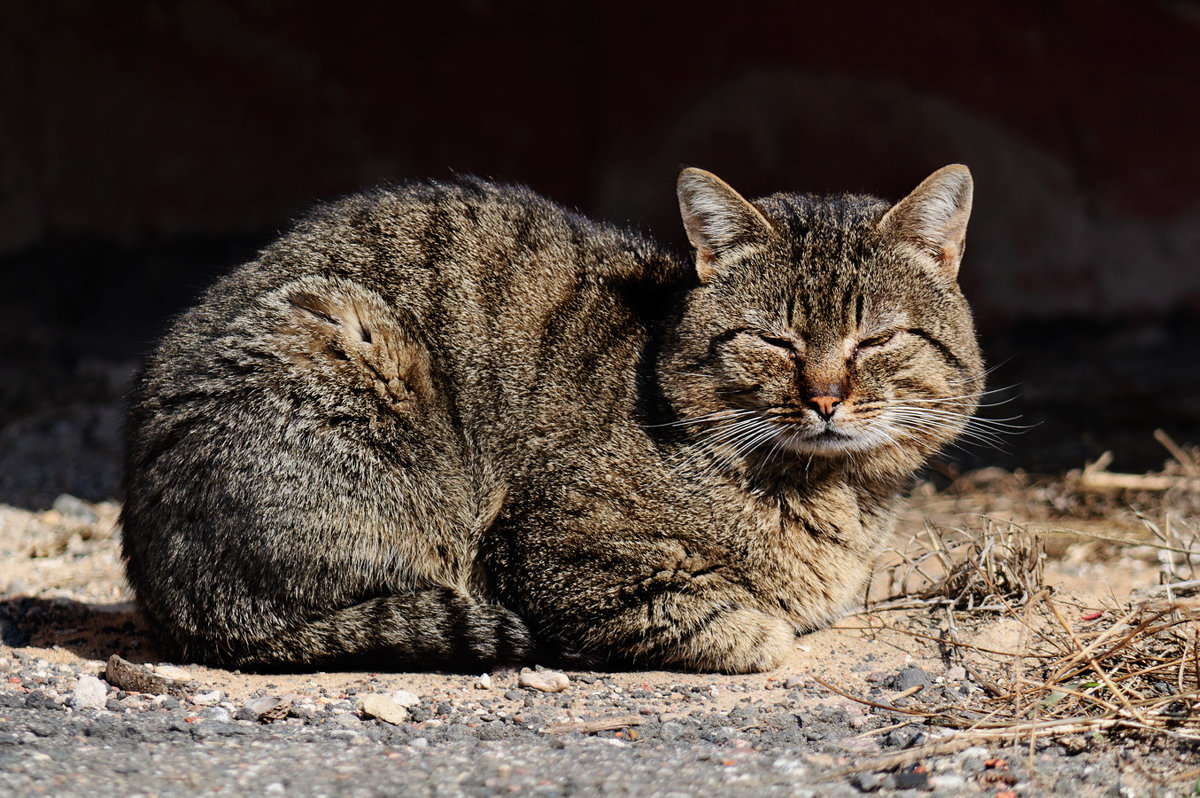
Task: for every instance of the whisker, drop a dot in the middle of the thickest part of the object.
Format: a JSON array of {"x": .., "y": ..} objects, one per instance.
[{"x": 706, "y": 418}]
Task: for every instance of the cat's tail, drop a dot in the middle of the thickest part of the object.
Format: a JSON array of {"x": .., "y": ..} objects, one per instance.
[{"x": 434, "y": 628}]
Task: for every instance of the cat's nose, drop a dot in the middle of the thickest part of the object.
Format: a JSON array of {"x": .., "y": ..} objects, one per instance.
[{"x": 825, "y": 406}]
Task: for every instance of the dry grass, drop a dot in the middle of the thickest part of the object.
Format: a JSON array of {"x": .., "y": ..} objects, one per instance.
[
  {"x": 1127, "y": 670},
  {"x": 998, "y": 565}
]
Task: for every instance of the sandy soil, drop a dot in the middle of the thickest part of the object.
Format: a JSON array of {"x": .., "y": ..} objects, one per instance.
[{"x": 66, "y": 562}]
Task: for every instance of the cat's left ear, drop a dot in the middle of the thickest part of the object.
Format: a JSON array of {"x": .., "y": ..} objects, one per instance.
[
  {"x": 718, "y": 220},
  {"x": 933, "y": 219}
]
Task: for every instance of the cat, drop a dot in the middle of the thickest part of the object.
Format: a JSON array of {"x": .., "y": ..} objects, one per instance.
[{"x": 451, "y": 424}]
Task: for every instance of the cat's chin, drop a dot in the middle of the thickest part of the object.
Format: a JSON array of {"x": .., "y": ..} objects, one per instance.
[{"x": 828, "y": 443}]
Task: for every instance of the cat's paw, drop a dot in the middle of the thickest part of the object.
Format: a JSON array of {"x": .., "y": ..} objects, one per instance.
[{"x": 741, "y": 641}]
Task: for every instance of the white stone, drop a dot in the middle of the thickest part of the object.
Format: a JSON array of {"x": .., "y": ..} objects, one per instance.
[
  {"x": 377, "y": 705},
  {"x": 90, "y": 693},
  {"x": 406, "y": 699},
  {"x": 173, "y": 672},
  {"x": 545, "y": 681},
  {"x": 947, "y": 781},
  {"x": 484, "y": 682},
  {"x": 209, "y": 698}
]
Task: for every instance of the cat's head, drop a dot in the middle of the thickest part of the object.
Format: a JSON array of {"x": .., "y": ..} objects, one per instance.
[{"x": 825, "y": 327}]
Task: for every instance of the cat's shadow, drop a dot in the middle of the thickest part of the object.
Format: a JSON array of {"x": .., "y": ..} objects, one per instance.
[{"x": 89, "y": 631}]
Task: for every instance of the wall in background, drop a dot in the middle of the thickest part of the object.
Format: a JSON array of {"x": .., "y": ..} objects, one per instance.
[{"x": 158, "y": 126}]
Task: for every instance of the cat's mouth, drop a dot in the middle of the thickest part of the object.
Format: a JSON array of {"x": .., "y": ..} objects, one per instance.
[{"x": 827, "y": 440}]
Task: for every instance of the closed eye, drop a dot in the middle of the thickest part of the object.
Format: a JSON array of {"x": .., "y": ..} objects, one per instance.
[
  {"x": 875, "y": 341},
  {"x": 780, "y": 343}
]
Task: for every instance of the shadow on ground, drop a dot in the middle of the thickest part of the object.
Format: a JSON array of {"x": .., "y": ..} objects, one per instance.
[{"x": 89, "y": 631}]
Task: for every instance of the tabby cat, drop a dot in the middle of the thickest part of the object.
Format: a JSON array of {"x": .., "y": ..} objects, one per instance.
[{"x": 454, "y": 425}]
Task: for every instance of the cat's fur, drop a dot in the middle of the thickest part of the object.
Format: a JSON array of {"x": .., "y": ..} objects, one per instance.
[{"x": 454, "y": 423}]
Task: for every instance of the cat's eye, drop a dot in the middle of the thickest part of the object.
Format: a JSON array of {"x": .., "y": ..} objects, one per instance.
[
  {"x": 781, "y": 343},
  {"x": 874, "y": 341}
]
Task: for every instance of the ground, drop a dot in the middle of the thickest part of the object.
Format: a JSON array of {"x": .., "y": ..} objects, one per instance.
[{"x": 916, "y": 691}]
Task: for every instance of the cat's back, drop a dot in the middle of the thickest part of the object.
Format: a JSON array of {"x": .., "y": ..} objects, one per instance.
[
  {"x": 463, "y": 260},
  {"x": 467, "y": 299}
]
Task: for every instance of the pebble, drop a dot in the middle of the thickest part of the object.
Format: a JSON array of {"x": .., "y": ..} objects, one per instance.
[
  {"x": 89, "y": 693},
  {"x": 909, "y": 678},
  {"x": 217, "y": 714},
  {"x": 948, "y": 781},
  {"x": 68, "y": 506},
  {"x": 172, "y": 672},
  {"x": 867, "y": 782},
  {"x": 260, "y": 709},
  {"x": 484, "y": 682},
  {"x": 545, "y": 681},
  {"x": 208, "y": 699},
  {"x": 376, "y": 705},
  {"x": 345, "y": 721},
  {"x": 405, "y": 699},
  {"x": 303, "y": 709},
  {"x": 795, "y": 681}
]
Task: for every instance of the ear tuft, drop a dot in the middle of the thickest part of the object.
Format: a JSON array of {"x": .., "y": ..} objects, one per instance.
[
  {"x": 933, "y": 219},
  {"x": 718, "y": 220}
]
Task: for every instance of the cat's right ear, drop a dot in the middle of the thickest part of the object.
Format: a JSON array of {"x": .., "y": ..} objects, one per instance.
[
  {"x": 720, "y": 223},
  {"x": 932, "y": 220}
]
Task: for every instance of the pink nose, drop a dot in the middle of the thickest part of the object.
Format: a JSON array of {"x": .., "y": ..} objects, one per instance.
[{"x": 825, "y": 405}]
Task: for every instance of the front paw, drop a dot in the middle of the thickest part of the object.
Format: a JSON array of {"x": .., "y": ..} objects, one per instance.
[{"x": 736, "y": 641}]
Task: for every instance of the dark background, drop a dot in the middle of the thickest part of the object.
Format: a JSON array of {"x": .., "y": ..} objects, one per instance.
[{"x": 147, "y": 146}]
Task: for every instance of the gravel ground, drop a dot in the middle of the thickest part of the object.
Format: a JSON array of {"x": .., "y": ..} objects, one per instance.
[
  {"x": 67, "y": 726},
  {"x": 468, "y": 740}
]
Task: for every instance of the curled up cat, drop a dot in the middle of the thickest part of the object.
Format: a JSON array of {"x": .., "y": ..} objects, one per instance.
[{"x": 454, "y": 425}]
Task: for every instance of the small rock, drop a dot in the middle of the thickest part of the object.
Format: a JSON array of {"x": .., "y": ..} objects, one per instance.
[
  {"x": 953, "y": 783},
  {"x": 909, "y": 678},
  {"x": 173, "y": 672},
  {"x": 345, "y": 722},
  {"x": 545, "y": 681},
  {"x": 71, "y": 507},
  {"x": 127, "y": 676},
  {"x": 338, "y": 707},
  {"x": 376, "y": 705},
  {"x": 209, "y": 698},
  {"x": 484, "y": 682},
  {"x": 956, "y": 674},
  {"x": 915, "y": 778},
  {"x": 264, "y": 709},
  {"x": 216, "y": 714},
  {"x": 795, "y": 681},
  {"x": 90, "y": 693},
  {"x": 405, "y": 699},
  {"x": 905, "y": 737},
  {"x": 721, "y": 734},
  {"x": 867, "y": 782},
  {"x": 303, "y": 709}
]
